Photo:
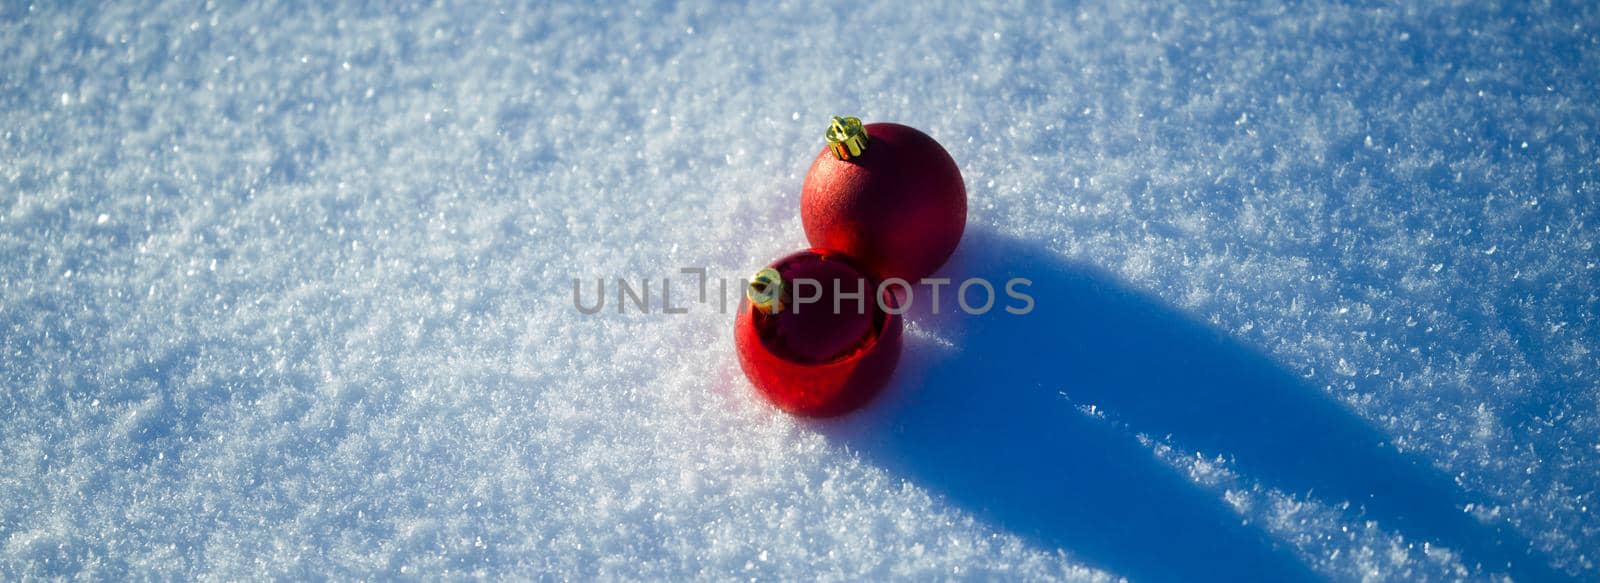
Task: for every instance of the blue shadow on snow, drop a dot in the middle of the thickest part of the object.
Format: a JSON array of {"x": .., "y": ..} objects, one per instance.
[{"x": 991, "y": 424}]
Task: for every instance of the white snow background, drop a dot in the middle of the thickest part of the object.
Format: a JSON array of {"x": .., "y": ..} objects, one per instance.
[{"x": 286, "y": 290}]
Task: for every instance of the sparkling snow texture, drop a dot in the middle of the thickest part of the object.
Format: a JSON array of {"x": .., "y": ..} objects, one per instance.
[{"x": 287, "y": 290}]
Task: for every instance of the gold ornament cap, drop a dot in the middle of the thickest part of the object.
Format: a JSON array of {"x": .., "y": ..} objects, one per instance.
[
  {"x": 766, "y": 291},
  {"x": 847, "y": 138}
]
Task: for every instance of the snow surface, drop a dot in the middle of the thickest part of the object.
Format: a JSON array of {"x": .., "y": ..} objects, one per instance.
[{"x": 286, "y": 290}]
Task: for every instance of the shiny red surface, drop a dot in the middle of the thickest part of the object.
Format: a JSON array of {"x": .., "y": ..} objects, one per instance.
[
  {"x": 899, "y": 208},
  {"x": 810, "y": 360}
]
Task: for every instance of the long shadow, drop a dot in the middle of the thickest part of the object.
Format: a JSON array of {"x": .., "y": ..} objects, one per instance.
[{"x": 992, "y": 423}]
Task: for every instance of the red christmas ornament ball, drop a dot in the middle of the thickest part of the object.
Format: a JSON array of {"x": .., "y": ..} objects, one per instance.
[
  {"x": 887, "y": 195},
  {"x": 806, "y": 357}
]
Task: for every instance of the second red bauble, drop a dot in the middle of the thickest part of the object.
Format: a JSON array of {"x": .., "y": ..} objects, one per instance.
[
  {"x": 826, "y": 356},
  {"x": 894, "y": 201}
]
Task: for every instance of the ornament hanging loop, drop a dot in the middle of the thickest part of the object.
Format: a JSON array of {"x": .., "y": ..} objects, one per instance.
[{"x": 847, "y": 138}]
